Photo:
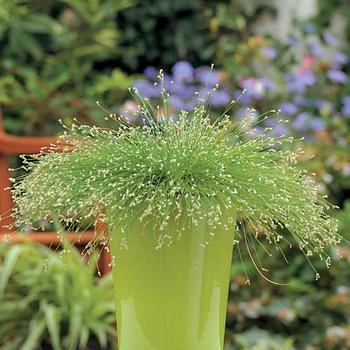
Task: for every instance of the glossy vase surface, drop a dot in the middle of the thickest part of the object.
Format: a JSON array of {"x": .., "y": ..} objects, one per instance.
[{"x": 174, "y": 297}]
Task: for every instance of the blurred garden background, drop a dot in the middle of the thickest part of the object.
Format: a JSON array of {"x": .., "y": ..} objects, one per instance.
[{"x": 58, "y": 57}]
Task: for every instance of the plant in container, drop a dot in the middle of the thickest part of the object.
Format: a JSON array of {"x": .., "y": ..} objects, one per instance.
[{"x": 176, "y": 194}]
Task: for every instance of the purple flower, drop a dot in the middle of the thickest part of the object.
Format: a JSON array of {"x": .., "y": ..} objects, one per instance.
[
  {"x": 180, "y": 105},
  {"x": 346, "y": 100},
  {"x": 168, "y": 82},
  {"x": 305, "y": 121},
  {"x": 182, "y": 91},
  {"x": 301, "y": 121},
  {"x": 308, "y": 77},
  {"x": 292, "y": 41},
  {"x": 256, "y": 88},
  {"x": 203, "y": 94},
  {"x": 346, "y": 106},
  {"x": 189, "y": 105},
  {"x": 207, "y": 76},
  {"x": 309, "y": 28},
  {"x": 278, "y": 129},
  {"x": 150, "y": 72},
  {"x": 269, "y": 52},
  {"x": 244, "y": 98},
  {"x": 340, "y": 58},
  {"x": 219, "y": 98},
  {"x": 318, "y": 103},
  {"x": 330, "y": 39},
  {"x": 337, "y": 76},
  {"x": 346, "y": 110},
  {"x": 300, "y": 101},
  {"x": 317, "y": 124},
  {"x": 182, "y": 72},
  {"x": 269, "y": 84},
  {"x": 146, "y": 88},
  {"x": 241, "y": 112},
  {"x": 297, "y": 83},
  {"x": 288, "y": 108},
  {"x": 315, "y": 49}
]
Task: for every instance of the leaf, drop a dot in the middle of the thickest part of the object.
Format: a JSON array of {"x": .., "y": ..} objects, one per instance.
[
  {"x": 12, "y": 345},
  {"x": 84, "y": 337},
  {"x": 53, "y": 324},
  {"x": 75, "y": 321},
  {"x": 36, "y": 330},
  {"x": 73, "y": 302},
  {"x": 38, "y": 23},
  {"x": 22, "y": 42},
  {"x": 7, "y": 268},
  {"x": 100, "y": 330}
]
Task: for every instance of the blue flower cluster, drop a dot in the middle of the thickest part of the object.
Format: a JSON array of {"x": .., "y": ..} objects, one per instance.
[
  {"x": 305, "y": 80},
  {"x": 346, "y": 106},
  {"x": 185, "y": 85}
]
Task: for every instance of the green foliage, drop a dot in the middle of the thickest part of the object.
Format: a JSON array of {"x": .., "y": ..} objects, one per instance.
[
  {"x": 235, "y": 22},
  {"x": 22, "y": 29},
  {"x": 73, "y": 33},
  {"x": 49, "y": 58},
  {"x": 159, "y": 35},
  {"x": 56, "y": 54},
  {"x": 52, "y": 298},
  {"x": 176, "y": 30},
  {"x": 327, "y": 9}
]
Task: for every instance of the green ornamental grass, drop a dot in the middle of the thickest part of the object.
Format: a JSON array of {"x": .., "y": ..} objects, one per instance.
[
  {"x": 50, "y": 298},
  {"x": 179, "y": 170}
]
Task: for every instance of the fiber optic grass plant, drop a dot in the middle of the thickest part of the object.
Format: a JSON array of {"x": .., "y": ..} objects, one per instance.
[
  {"x": 171, "y": 189},
  {"x": 167, "y": 168}
]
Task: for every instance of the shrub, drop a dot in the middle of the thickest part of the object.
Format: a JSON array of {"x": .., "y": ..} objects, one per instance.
[{"x": 53, "y": 299}]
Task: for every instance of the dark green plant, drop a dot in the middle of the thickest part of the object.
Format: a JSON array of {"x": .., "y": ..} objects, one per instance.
[
  {"x": 53, "y": 299},
  {"x": 184, "y": 30},
  {"x": 327, "y": 9},
  {"x": 49, "y": 61},
  {"x": 23, "y": 31},
  {"x": 73, "y": 34},
  {"x": 236, "y": 22},
  {"x": 162, "y": 34}
]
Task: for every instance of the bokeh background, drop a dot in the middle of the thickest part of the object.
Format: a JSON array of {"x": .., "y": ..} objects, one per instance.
[{"x": 57, "y": 57}]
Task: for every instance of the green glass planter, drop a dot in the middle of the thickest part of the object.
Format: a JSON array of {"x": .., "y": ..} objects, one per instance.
[{"x": 175, "y": 297}]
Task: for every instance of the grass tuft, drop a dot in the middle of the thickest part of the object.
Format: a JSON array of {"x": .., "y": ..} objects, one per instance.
[{"x": 182, "y": 168}]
